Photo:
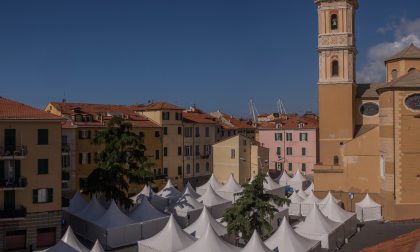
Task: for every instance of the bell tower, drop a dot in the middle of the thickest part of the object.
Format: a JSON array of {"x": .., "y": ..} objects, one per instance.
[{"x": 336, "y": 85}]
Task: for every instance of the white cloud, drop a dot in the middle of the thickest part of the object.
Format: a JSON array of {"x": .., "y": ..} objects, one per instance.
[{"x": 405, "y": 33}]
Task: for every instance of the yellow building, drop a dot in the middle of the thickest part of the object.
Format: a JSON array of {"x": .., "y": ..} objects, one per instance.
[
  {"x": 369, "y": 139},
  {"x": 30, "y": 177},
  {"x": 241, "y": 156}
]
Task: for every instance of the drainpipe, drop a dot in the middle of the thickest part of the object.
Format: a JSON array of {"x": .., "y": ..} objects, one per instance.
[{"x": 393, "y": 129}]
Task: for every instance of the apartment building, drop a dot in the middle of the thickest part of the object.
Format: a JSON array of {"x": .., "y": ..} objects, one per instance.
[
  {"x": 30, "y": 177},
  {"x": 231, "y": 126},
  {"x": 292, "y": 141},
  {"x": 200, "y": 130}
]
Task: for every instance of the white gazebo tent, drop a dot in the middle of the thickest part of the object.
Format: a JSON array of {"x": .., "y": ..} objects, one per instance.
[
  {"x": 212, "y": 181},
  {"x": 186, "y": 209},
  {"x": 115, "y": 229},
  {"x": 298, "y": 182},
  {"x": 68, "y": 243},
  {"x": 295, "y": 204},
  {"x": 307, "y": 204},
  {"x": 368, "y": 210},
  {"x": 170, "y": 239},
  {"x": 210, "y": 242},
  {"x": 310, "y": 188},
  {"x": 151, "y": 219},
  {"x": 82, "y": 221},
  {"x": 255, "y": 244},
  {"x": 278, "y": 216},
  {"x": 146, "y": 191},
  {"x": 337, "y": 214},
  {"x": 284, "y": 179},
  {"x": 327, "y": 198},
  {"x": 97, "y": 247},
  {"x": 169, "y": 192},
  {"x": 286, "y": 239},
  {"x": 198, "y": 228},
  {"x": 216, "y": 204},
  {"x": 271, "y": 187},
  {"x": 302, "y": 194},
  {"x": 229, "y": 190},
  {"x": 77, "y": 203},
  {"x": 318, "y": 227},
  {"x": 190, "y": 190}
]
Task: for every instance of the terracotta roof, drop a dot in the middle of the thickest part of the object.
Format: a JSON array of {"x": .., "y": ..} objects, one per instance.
[
  {"x": 409, "y": 80},
  {"x": 368, "y": 91},
  {"x": 290, "y": 122},
  {"x": 410, "y": 52},
  {"x": 157, "y": 106},
  {"x": 407, "y": 242},
  {"x": 197, "y": 116},
  {"x": 230, "y": 122},
  {"x": 13, "y": 110}
]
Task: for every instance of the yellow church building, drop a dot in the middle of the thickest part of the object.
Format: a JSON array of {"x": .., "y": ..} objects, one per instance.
[{"x": 369, "y": 133}]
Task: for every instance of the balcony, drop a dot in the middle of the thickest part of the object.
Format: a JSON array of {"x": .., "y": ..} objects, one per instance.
[
  {"x": 13, "y": 183},
  {"x": 65, "y": 148},
  {"x": 11, "y": 214},
  {"x": 13, "y": 152}
]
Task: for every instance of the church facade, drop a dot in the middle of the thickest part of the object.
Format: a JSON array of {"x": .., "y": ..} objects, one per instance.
[{"x": 369, "y": 133}]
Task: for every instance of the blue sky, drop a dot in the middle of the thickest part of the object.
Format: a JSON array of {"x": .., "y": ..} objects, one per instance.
[{"x": 217, "y": 54}]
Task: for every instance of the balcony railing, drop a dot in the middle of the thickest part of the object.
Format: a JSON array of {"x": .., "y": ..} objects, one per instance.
[
  {"x": 13, "y": 213},
  {"x": 65, "y": 148},
  {"x": 13, "y": 151},
  {"x": 19, "y": 182}
]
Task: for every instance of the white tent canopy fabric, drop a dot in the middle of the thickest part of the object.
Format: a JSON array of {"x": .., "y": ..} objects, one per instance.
[
  {"x": 210, "y": 242},
  {"x": 302, "y": 194},
  {"x": 229, "y": 190},
  {"x": 146, "y": 191},
  {"x": 286, "y": 239},
  {"x": 327, "y": 198},
  {"x": 307, "y": 204},
  {"x": 318, "y": 227},
  {"x": 310, "y": 188},
  {"x": 255, "y": 244},
  {"x": 77, "y": 203},
  {"x": 97, "y": 247},
  {"x": 186, "y": 209},
  {"x": 294, "y": 206},
  {"x": 337, "y": 214},
  {"x": 216, "y": 204},
  {"x": 271, "y": 187},
  {"x": 284, "y": 179},
  {"x": 298, "y": 181},
  {"x": 368, "y": 209},
  {"x": 169, "y": 191},
  {"x": 145, "y": 212},
  {"x": 91, "y": 211},
  {"x": 198, "y": 228},
  {"x": 170, "y": 239},
  {"x": 113, "y": 217},
  {"x": 190, "y": 190},
  {"x": 212, "y": 181},
  {"x": 68, "y": 243}
]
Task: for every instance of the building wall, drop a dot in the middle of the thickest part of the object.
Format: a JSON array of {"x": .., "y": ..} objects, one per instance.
[{"x": 402, "y": 67}]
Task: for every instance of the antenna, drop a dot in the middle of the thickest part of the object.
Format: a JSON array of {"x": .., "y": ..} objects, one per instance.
[
  {"x": 253, "y": 111},
  {"x": 280, "y": 107}
]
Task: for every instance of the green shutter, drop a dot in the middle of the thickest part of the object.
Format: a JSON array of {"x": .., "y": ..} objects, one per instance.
[
  {"x": 35, "y": 195},
  {"x": 80, "y": 158},
  {"x": 17, "y": 169},
  {"x": 50, "y": 194}
]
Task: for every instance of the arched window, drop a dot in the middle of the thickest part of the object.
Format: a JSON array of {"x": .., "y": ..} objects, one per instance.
[
  {"x": 197, "y": 167},
  {"x": 411, "y": 69},
  {"x": 188, "y": 168},
  {"x": 394, "y": 74},
  {"x": 334, "y": 68},
  {"x": 334, "y": 22}
]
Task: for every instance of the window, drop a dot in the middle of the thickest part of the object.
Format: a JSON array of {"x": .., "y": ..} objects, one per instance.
[
  {"x": 157, "y": 155},
  {"x": 83, "y": 182},
  {"x": 44, "y": 195},
  {"x": 197, "y": 150},
  {"x": 42, "y": 166},
  {"x": 165, "y": 130},
  {"x": 43, "y": 136},
  {"x": 289, "y": 137},
  {"x": 207, "y": 149},
  {"x": 289, "y": 151},
  {"x": 279, "y": 166},
  {"x": 65, "y": 161},
  {"x": 304, "y": 167},
  {"x": 179, "y": 151},
  {"x": 336, "y": 161},
  {"x": 141, "y": 135},
  {"x": 207, "y": 131},
  {"x": 334, "y": 22},
  {"x": 84, "y": 134},
  {"x": 244, "y": 142},
  {"x": 188, "y": 132},
  {"x": 207, "y": 166},
  {"x": 165, "y": 151},
  {"x": 334, "y": 68},
  {"x": 303, "y": 151},
  {"x": 303, "y": 137},
  {"x": 232, "y": 153},
  {"x": 188, "y": 168},
  {"x": 178, "y": 116},
  {"x": 278, "y": 137},
  {"x": 197, "y": 167},
  {"x": 301, "y": 125},
  {"x": 179, "y": 170},
  {"x": 278, "y": 151},
  {"x": 165, "y": 171},
  {"x": 165, "y": 116},
  {"x": 188, "y": 150},
  {"x": 394, "y": 74},
  {"x": 157, "y": 133},
  {"x": 179, "y": 130},
  {"x": 84, "y": 158},
  {"x": 290, "y": 167},
  {"x": 411, "y": 69},
  {"x": 45, "y": 237},
  {"x": 197, "y": 132}
]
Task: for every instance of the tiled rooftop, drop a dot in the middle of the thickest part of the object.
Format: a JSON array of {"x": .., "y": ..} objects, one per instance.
[{"x": 13, "y": 110}]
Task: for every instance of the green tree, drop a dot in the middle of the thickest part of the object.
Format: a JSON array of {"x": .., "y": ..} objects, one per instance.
[
  {"x": 120, "y": 162},
  {"x": 252, "y": 211}
]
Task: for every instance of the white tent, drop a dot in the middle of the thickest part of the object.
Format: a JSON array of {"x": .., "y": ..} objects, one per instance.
[
  {"x": 210, "y": 242},
  {"x": 318, "y": 227},
  {"x": 171, "y": 238},
  {"x": 77, "y": 203},
  {"x": 278, "y": 216},
  {"x": 229, "y": 190},
  {"x": 92, "y": 211},
  {"x": 298, "y": 182},
  {"x": 327, "y": 198},
  {"x": 216, "y": 204},
  {"x": 198, "y": 228},
  {"x": 271, "y": 187},
  {"x": 294, "y": 206},
  {"x": 169, "y": 191},
  {"x": 310, "y": 188},
  {"x": 284, "y": 179},
  {"x": 337, "y": 214},
  {"x": 212, "y": 181},
  {"x": 286, "y": 239},
  {"x": 368, "y": 210},
  {"x": 68, "y": 243},
  {"x": 97, "y": 247},
  {"x": 307, "y": 204},
  {"x": 303, "y": 194},
  {"x": 186, "y": 209},
  {"x": 255, "y": 244},
  {"x": 190, "y": 190},
  {"x": 146, "y": 191}
]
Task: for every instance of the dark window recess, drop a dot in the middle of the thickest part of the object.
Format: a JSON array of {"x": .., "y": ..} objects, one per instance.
[
  {"x": 334, "y": 22},
  {"x": 179, "y": 151},
  {"x": 42, "y": 166},
  {"x": 165, "y": 151},
  {"x": 89, "y": 158},
  {"x": 165, "y": 130},
  {"x": 369, "y": 109},
  {"x": 334, "y": 68},
  {"x": 43, "y": 136},
  {"x": 157, "y": 155},
  {"x": 165, "y": 171},
  {"x": 179, "y": 130},
  {"x": 413, "y": 102},
  {"x": 83, "y": 182},
  {"x": 179, "y": 170},
  {"x": 80, "y": 158},
  {"x": 157, "y": 134}
]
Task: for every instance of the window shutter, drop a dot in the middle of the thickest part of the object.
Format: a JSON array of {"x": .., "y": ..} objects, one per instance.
[
  {"x": 89, "y": 158},
  {"x": 88, "y": 134},
  {"x": 1, "y": 170},
  {"x": 17, "y": 169},
  {"x": 80, "y": 158},
  {"x": 80, "y": 134},
  {"x": 35, "y": 195},
  {"x": 50, "y": 195}
]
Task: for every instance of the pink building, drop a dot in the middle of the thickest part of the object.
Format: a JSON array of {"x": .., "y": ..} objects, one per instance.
[{"x": 292, "y": 140}]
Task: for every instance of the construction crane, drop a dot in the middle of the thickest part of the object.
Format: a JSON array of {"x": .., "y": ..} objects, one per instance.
[
  {"x": 280, "y": 107},
  {"x": 253, "y": 111}
]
